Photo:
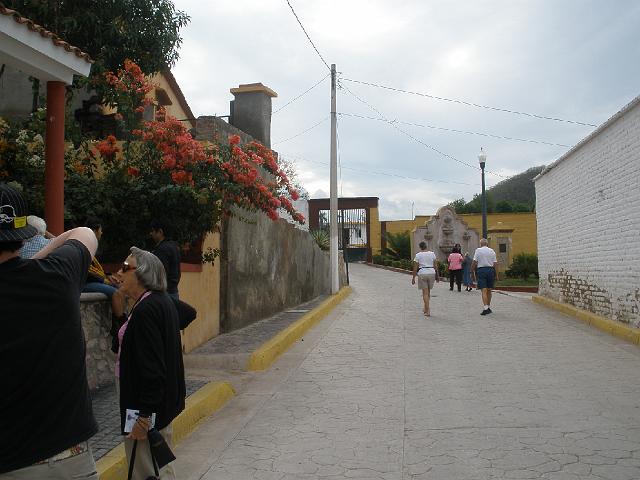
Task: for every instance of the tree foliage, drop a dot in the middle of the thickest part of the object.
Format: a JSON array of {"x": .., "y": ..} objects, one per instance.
[
  {"x": 398, "y": 246},
  {"x": 145, "y": 31}
]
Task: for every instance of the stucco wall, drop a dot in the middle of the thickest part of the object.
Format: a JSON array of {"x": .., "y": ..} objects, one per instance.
[
  {"x": 589, "y": 222},
  {"x": 269, "y": 266},
  {"x": 201, "y": 289}
]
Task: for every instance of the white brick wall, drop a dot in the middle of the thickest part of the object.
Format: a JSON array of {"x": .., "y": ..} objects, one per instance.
[{"x": 588, "y": 214}]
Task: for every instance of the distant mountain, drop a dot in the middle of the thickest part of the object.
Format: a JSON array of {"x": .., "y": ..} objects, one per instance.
[{"x": 517, "y": 189}]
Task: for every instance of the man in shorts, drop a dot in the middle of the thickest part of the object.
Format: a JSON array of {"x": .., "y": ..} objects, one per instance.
[
  {"x": 485, "y": 271},
  {"x": 46, "y": 415}
]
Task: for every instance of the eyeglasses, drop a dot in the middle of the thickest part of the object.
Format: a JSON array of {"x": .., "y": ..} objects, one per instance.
[{"x": 126, "y": 267}]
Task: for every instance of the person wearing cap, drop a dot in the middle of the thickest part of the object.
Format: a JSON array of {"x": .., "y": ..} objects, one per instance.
[
  {"x": 46, "y": 417},
  {"x": 36, "y": 243},
  {"x": 484, "y": 266}
]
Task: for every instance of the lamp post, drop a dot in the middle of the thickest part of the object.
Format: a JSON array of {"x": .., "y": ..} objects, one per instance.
[{"x": 482, "y": 158}]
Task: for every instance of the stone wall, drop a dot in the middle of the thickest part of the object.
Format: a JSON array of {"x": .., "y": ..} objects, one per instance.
[
  {"x": 589, "y": 221},
  {"x": 269, "y": 266},
  {"x": 95, "y": 314}
]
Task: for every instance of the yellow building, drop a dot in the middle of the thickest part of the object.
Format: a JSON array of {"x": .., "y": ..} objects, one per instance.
[{"x": 508, "y": 233}]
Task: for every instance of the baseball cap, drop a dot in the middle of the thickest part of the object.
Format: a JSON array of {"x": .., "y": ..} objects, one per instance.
[{"x": 13, "y": 216}]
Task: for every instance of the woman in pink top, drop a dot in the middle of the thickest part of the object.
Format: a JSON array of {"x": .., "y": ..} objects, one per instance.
[{"x": 455, "y": 267}]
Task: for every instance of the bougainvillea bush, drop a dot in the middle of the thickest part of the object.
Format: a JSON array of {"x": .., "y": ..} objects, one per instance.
[{"x": 158, "y": 171}]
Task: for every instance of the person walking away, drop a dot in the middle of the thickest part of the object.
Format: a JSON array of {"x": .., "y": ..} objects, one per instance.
[
  {"x": 485, "y": 271},
  {"x": 150, "y": 365},
  {"x": 455, "y": 259},
  {"x": 466, "y": 272},
  {"x": 46, "y": 415},
  {"x": 36, "y": 243},
  {"x": 169, "y": 254},
  {"x": 425, "y": 267}
]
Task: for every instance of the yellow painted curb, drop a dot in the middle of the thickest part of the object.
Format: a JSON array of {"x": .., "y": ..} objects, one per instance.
[
  {"x": 612, "y": 327},
  {"x": 268, "y": 352},
  {"x": 208, "y": 399}
]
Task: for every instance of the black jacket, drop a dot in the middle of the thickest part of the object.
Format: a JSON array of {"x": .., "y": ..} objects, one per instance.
[
  {"x": 151, "y": 368},
  {"x": 169, "y": 254}
]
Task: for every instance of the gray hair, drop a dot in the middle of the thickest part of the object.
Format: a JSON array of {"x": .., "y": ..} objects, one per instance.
[
  {"x": 149, "y": 270},
  {"x": 39, "y": 224}
]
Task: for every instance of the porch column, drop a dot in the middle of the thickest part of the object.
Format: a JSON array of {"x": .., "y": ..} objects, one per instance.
[{"x": 54, "y": 158}]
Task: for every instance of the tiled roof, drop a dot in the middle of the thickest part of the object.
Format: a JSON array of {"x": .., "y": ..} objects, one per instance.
[{"x": 57, "y": 41}]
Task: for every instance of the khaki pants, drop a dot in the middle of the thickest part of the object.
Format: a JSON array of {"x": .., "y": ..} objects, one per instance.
[
  {"x": 143, "y": 467},
  {"x": 79, "y": 467}
]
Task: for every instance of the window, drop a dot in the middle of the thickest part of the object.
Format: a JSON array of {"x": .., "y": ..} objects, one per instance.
[{"x": 502, "y": 248}]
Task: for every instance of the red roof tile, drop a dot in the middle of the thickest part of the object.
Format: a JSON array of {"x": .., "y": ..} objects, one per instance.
[{"x": 34, "y": 27}]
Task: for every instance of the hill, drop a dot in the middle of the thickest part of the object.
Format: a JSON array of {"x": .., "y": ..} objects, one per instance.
[{"x": 515, "y": 194}]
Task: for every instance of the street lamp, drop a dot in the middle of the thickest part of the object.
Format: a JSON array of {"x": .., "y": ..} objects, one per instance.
[{"x": 482, "y": 158}]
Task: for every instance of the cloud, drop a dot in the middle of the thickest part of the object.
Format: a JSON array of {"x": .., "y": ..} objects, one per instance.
[{"x": 530, "y": 56}]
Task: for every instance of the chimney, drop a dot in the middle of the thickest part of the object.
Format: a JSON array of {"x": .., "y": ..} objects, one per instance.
[{"x": 251, "y": 111}]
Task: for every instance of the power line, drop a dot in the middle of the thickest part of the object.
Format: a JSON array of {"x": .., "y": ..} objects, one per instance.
[
  {"x": 470, "y": 104},
  {"x": 301, "y": 95},
  {"x": 308, "y": 37},
  {"x": 303, "y": 132},
  {"x": 386, "y": 174},
  {"x": 446, "y": 155},
  {"x": 457, "y": 131}
]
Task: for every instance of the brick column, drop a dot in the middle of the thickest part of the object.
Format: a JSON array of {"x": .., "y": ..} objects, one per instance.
[{"x": 54, "y": 157}]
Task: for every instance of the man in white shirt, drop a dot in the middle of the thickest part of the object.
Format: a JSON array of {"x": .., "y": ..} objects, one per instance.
[{"x": 485, "y": 271}]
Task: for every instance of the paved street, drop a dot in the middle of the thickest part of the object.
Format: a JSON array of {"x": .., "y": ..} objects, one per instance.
[{"x": 378, "y": 391}]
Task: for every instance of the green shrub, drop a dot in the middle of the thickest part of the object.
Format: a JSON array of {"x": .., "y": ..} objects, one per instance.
[
  {"x": 524, "y": 265},
  {"x": 378, "y": 259},
  {"x": 387, "y": 262},
  {"x": 396, "y": 263},
  {"x": 322, "y": 238}
]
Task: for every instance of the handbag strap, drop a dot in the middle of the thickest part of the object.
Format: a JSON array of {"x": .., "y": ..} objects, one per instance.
[
  {"x": 153, "y": 459},
  {"x": 133, "y": 460}
]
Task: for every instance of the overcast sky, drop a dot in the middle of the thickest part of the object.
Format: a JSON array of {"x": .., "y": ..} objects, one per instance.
[{"x": 570, "y": 59}]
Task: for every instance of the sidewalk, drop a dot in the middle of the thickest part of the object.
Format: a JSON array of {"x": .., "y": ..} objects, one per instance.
[
  {"x": 219, "y": 357},
  {"x": 378, "y": 391}
]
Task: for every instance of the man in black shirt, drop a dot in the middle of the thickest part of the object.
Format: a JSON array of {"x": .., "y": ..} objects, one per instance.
[
  {"x": 46, "y": 416},
  {"x": 169, "y": 254}
]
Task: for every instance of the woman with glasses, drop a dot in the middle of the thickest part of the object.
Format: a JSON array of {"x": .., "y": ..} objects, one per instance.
[{"x": 149, "y": 365}]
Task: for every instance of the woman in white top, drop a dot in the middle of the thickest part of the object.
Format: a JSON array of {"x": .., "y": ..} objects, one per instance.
[{"x": 425, "y": 266}]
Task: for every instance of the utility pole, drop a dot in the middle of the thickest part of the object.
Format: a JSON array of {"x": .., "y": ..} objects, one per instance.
[{"x": 333, "y": 200}]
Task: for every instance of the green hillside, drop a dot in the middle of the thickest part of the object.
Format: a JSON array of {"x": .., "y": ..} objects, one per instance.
[{"x": 516, "y": 194}]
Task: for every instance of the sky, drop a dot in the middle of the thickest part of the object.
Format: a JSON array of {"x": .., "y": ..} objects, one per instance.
[{"x": 576, "y": 60}]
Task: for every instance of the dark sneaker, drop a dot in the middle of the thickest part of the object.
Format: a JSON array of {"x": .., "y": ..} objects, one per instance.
[
  {"x": 485, "y": 312},
  {"x": 489, "y": 311}
]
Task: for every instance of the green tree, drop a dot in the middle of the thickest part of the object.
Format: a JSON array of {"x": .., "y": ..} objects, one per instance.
[
  {"x": 145, "y": 31},
  {"x": 459, "y": 205},
  {"x": 398, "y": 246}
]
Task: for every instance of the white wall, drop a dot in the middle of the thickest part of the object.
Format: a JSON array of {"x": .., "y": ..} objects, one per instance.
[{"x": 588, "y": 212}]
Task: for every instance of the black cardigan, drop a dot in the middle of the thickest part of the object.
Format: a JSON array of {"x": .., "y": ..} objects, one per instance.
[{"x": 151, "y": 368}]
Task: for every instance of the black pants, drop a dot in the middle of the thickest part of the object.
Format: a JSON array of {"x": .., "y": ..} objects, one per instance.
[{"x": 457, "y": 276}]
